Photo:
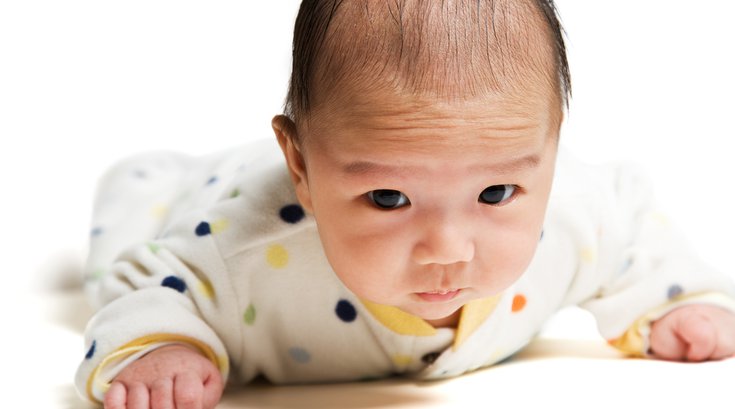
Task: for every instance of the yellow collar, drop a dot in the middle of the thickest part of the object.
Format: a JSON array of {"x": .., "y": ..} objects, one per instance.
[{"x": 473, "y": 314}]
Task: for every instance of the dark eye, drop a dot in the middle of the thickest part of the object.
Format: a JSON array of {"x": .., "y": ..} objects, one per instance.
[
  {"x": 497, "y": 194},
  {"x": 388, "y": 199}
]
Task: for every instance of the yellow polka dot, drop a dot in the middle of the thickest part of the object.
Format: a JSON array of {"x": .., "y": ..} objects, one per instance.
[
  {"x": 659, "y": 218},
  {"x": 276, "y": 256},
  {"x": 218, "y": 226},
  {"x": 205, "y": 288},
  {"x": 496, "y": 356},
  {"x": 159, "y": 211},
  {"x": 588, "y": 255},
  {"x": 402, "y": 360}
]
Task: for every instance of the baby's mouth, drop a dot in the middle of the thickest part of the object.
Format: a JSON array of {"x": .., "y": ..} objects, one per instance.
[{"x": 441, "y": 295}]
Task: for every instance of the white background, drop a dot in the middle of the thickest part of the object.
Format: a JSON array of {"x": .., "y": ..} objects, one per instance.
[{"x": 83, "y": 83}]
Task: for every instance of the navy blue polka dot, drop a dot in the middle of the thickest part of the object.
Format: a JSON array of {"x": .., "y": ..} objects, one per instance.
[
  {"x": 212, "y": 180},
  {"x": 174, "y": 282},
  {"x": 203, "y": 229},
  {"x": 292, "y": 213},
  {"x": 674, "y": 291},
  {"x": 90, "y": 353},
  {"x": 346, "y": 311},
  {"x": 542, "y": 236},
  {"x": 96, "y": 232},
  {"x": 430, "y": 358}
]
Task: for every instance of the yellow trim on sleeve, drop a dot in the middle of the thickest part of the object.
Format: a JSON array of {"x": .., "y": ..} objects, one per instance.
[{"x": 141, "y": 344}]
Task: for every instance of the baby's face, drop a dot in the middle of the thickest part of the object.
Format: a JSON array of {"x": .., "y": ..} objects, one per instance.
[{"x": 428, "y": 206}]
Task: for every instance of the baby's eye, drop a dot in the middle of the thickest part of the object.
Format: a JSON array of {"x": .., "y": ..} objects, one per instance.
[
  {"x": 497, "y": 194},
  {"x": 388, "y": 199}
]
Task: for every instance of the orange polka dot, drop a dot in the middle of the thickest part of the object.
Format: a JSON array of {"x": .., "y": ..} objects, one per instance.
[{"x": 519, "y": 301}]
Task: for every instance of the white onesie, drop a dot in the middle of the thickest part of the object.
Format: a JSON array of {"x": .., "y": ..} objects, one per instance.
[{"x": 216, "y": 252}]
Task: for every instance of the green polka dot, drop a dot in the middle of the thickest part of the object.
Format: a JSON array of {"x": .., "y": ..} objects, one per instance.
[
  {"x": 250, "y": 315},
  {"x": 153, "y": 247},
  {"x": 96, "y": 274},
  {"x": 235, "y": 193}
]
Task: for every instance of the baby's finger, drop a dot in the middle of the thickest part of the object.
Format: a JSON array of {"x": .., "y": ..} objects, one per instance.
[
  {"x": 188, "y": 391},
  {"x": 115, "y": 396},
  {"x": 162, "y": 394},
  {"x": 213, "y": 388},
  {"x": 665, "y": 344},
  {"x": 138, "y": 396},
  {"x": 700, "y": 334}
]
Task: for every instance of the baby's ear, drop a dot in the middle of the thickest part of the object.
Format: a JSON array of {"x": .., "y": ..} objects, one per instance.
[{"x": 285, "y": 131}]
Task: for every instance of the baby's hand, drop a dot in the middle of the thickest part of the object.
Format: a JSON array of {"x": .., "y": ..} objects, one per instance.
[
  {"x": 697, "y": 332},
  {"x": 174, "y": 376}
]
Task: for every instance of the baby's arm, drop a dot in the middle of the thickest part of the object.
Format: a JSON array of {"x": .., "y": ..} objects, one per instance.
[
  {"x": 696, "y": 332},
  {"x": 168, "y": 377}
]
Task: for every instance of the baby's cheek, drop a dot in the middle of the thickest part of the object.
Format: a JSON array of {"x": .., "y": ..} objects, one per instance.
[{"x": 506, "y": 259}]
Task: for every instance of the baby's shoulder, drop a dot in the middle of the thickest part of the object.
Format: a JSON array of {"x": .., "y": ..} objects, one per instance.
[{"x": 243, "y": 197}]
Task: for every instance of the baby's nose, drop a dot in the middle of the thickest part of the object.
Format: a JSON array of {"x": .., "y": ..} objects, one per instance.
[{"x": 444, "y": 242}]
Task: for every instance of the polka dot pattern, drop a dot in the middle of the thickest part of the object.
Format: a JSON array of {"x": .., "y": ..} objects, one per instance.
[
  {"x": 203, "y": 229},
  {"x": 235, "y": 193},
  {"x": 430, "y": 358},
  {"x": 98, "y": 273},
  {"x": 205, "y": 288},
  {"x": 674, "y": 291},
  {"x": 212, "y": 180},
  {"x": 276, "y": 256},
  {"x": 519, "y": 303},
  {"x": 175, "y": 283},
  {"x": 402, "y": 360},
  {"x": 626, "y": 265},
  {"x": 90, "y": 352},
  {"x": 154, "y": 248},
  {"x": 219, "y": 226},
  {"x": 588, "y": 255},
  {"x": 292, "y": 213},
  {"x": 249, "y": 316},
  {"x": 159, "y": 211},
  {"x": 95, "y": 232},
  {"x": 345, "y": 311},
  {"x": 299, "y": 355}
]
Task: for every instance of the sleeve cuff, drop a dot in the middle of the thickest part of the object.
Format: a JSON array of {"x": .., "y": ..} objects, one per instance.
[
  {"x": 101, "y": 377},
  {"x": 635, "y": 341}
]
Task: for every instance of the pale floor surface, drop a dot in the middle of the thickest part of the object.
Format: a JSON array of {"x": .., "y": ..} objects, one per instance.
[{"x": 577, "y": 372}]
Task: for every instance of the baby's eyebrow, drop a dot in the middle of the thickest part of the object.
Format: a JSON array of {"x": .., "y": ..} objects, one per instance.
[{"x": 514, "y": 165}]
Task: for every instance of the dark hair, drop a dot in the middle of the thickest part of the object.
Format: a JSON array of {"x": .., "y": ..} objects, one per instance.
[{"x": 317, "y": 17}]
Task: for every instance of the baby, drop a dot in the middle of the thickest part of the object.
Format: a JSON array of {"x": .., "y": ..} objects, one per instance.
[{"x": 412, "y": 229}]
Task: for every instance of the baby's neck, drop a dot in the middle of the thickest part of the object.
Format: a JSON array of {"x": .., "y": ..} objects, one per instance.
[{"x": 449, "y": 321}]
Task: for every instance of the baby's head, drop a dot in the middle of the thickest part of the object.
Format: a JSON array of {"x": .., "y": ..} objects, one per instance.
[{"x": 422, "y": 137}]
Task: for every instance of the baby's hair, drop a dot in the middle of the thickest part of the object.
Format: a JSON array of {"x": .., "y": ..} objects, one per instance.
[{"x": 446, "y": 49}]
